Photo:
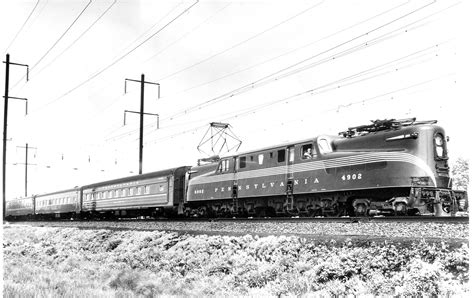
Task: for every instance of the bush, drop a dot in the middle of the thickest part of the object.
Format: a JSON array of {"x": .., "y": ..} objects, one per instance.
[{"x": 72, "y": 262}]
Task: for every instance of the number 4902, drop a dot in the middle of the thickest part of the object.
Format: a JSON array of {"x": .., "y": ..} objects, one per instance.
[{"x": 354, "y": 176}]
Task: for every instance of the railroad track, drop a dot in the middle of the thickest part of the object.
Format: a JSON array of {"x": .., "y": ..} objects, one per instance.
[
  {"x": 463, "y": 219},
  {"x": 447, "y": 219}
]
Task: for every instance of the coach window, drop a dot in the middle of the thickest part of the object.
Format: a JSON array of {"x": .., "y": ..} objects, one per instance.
[
  {"x": 281, "y": 155},
  {"x": 131, "y": 191},
  {"x": 260, "y": 159},
  {"x": 139, "y": 190},
  {"x": 117, "y": 193},
  {"x": 147, "y": 189},
  {"x": 124, "y": 192}
]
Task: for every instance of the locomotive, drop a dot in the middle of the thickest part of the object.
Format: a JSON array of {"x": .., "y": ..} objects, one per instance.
[{"x": 389, "y": 167}]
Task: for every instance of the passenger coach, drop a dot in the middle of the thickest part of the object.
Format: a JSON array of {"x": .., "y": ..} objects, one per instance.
[
  {"x": 151, "y": 194},
  {"x": 61, "y": 204}
]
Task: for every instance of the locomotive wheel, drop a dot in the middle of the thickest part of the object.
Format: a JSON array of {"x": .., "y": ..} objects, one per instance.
[
  {"x": 202, "y": 212},
  {"x": 446, "y": 206},
  {"x": 400, "y": 209},
  {"x": 360, "y": 210}
]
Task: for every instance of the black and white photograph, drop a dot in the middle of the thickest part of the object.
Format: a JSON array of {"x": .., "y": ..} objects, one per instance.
[{"x": 236, "y": 148}]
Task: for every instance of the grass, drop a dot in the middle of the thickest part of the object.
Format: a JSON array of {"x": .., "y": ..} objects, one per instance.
[{"x": 68, "y": 262}]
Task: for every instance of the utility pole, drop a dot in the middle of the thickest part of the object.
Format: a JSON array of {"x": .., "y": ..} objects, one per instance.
[
  {"x": 26, "y": 166},
  {"x": 5, "y": 121},
  {"x": 142, "y": 113}
]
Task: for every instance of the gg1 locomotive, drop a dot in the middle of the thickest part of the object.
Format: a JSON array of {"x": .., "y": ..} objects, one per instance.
[{"x": 390, "y": 167}]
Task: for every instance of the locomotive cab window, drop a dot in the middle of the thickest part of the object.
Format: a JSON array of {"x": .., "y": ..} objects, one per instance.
[
  {"x": 307, "y": 151},
  {"x": 281, "y": 155},
  {"x": 242, "y": 162},
  {"x": 223, "y": 166}
]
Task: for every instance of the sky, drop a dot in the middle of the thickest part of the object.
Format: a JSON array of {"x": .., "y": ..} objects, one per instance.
[{"x": 276, "y": 71}]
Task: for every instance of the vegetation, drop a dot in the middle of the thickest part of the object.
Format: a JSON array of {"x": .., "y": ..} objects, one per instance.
[
  {"x": 460, "y": 174},
  {"x": 44, "y": 261}
]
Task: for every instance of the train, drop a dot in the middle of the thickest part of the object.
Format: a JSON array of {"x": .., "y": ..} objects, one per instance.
[{"x": 388, "y": 167}]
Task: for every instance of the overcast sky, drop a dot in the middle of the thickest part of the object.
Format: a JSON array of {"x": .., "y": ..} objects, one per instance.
[{"x": 276, "y": 71}]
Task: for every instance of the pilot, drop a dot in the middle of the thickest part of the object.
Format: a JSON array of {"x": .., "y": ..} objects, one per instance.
[{"x": 307, "y": 154}]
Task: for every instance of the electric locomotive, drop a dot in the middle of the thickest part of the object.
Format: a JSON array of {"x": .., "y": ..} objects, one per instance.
[{"x": 387, "y": 167}]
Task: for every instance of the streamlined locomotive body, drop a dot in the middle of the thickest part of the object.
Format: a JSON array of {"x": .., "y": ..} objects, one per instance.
[{"x": 391, "y": 166}]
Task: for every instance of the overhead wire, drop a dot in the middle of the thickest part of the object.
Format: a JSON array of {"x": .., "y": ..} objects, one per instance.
[
  {"x": 186, "y": 34},
  {"x": 22, "y": 26},
  {"x": 55, "y": 43},
  {"x": 338, "y": 84},
  {"x": 291, "y": 51},
  {"x": 320, "y": 39},
  {"x": 364, "y": 101},
  {"x": 115, "y": 100},
  {"x": 240, "y": 43},
  {"x": 268, "y": 78},
  {"x": 390, "y": 95},
  {"x": 119, "y": 58},
  {"x": 341, "y": 83},
  {"x": 328, "y": 59},
  {"x": 78, "y": 38}
]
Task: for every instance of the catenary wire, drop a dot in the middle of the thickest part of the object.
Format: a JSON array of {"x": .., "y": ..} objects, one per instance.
[
  {"x": 78, "y": 38},
  {"x": 249, "y": 86},
  {"x": 291, "y": 51},
  {"x": 240, "y": 43},
  {"x": 330, "y": 35},
  {"x": 345, "y": 52},
  {"x": 22, "y": 26},
  {"x": 55, "y": 43},
  {"x": 414, "y": 55},
  {"x": 118, "y": 59}
]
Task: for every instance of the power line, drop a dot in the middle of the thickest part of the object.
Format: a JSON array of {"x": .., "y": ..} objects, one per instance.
[
  {"x": 241, "y": 42},
  {"x": 266, "y": 61},
  {"x": 78, "y": 38},
  {"x": 289, "y": 52},
  {"x": 115, "y": 101},
  {"x": 118, "y": 59},
  {"x": 337, "y": 55},
  {"x": 338, "y": 82},
  {"x": 268, "y": 78},
  {"x": 186, "y": 34},
  {"x": 62, "y": 35},
  {"x": 364, "y": 101},
  {"x": 22, "y": 26}
]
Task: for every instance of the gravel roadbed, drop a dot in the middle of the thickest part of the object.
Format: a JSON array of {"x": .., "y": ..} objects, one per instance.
[{"x": 334, "y": 230}]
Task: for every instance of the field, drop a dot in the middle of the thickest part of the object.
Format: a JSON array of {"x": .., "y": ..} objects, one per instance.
[{"x": 48, "y": 261}]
